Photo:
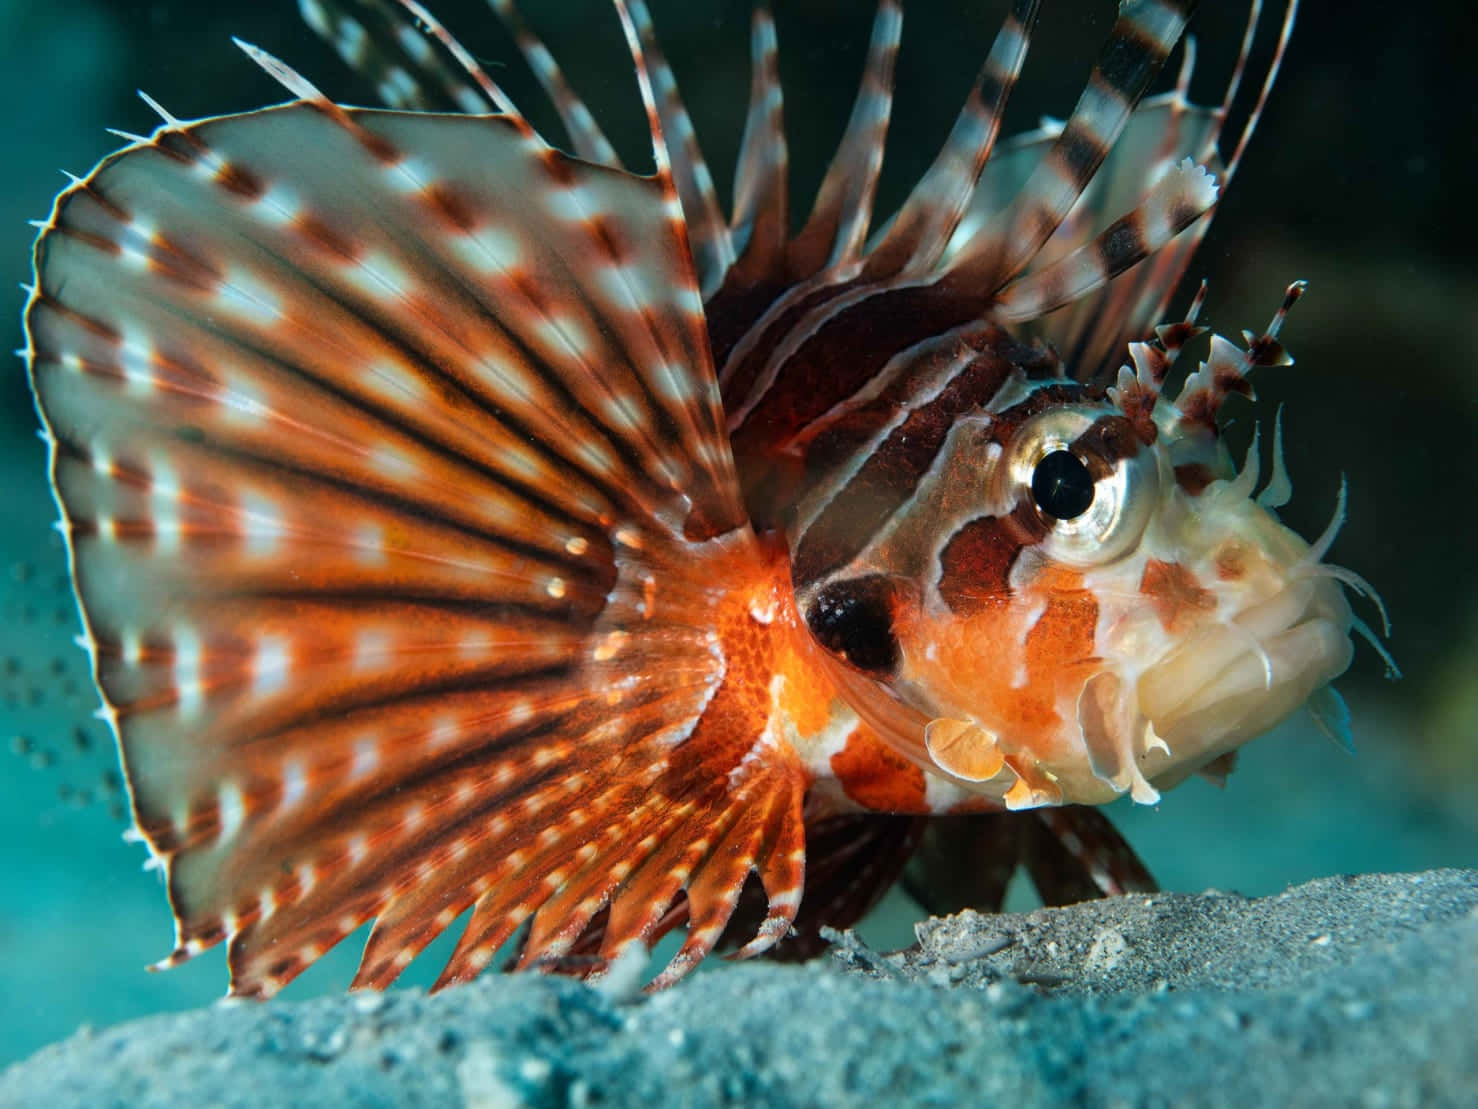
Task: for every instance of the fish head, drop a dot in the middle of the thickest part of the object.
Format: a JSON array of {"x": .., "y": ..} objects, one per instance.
[{"x": 1091, "y": 598}]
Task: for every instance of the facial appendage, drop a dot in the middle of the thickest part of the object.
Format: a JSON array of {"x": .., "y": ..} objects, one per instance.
[{"x": 1109, "y": 612}]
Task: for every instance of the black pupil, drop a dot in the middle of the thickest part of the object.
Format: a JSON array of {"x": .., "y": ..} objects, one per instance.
[{"x": 1062, "y": 486}]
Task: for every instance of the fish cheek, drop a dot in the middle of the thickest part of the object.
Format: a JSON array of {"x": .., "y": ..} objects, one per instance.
[
  {"x": 855, "y": 618},
  {"x": 978, "y": 658}
]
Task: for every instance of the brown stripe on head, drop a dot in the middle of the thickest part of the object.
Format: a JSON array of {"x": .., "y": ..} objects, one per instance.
[
  {"x": 1178, "y": 598},
  {"x": 1066, "y": 633},
  {"x": 1038, "y": 401},
  {"x": 1107, "y": 442},
  {"x": 1194, "y": 477},
  {"x": 975, "y": 564},
  {"x": 891, "y": 474}
]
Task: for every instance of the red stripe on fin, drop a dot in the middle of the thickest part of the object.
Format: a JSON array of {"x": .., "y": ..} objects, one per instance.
[
  {"x": 852, "y": 860},
  {"x": 768, "y": 838}
]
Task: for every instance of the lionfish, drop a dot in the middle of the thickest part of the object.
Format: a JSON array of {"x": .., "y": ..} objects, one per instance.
[{"x": 462, "y": 526}]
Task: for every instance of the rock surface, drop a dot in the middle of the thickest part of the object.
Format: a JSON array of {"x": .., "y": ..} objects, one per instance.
[{"x": 1345, "y": 991}]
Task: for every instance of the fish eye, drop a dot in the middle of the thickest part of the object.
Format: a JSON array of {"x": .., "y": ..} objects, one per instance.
[
  {"x": 1094, "y": 486},
  {"x": 1062, "y": 485}
]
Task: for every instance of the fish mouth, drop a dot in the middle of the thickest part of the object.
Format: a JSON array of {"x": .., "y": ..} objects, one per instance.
[{"x": 1235, "y": 679}]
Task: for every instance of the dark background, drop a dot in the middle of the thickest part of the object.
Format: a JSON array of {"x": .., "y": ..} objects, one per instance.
[{"x": 1360, "y": 179}]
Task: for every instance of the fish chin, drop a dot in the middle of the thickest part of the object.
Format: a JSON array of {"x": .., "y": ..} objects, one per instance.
[{"x": 1233, "y": 681}]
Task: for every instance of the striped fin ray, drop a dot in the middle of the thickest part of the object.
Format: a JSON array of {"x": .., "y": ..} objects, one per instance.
[
  {"x": 759, "y": 319},
  {"x": 761, "y": 221},
  {"x": 771, "y": 287},
  {"x": 379, "y": 40},
  {"x": 1091, "y": 331},
  {"x": 780, "y": 279},
  {"x": 1146, "y": 299},
  {"x": 1226, "y": 370},
  {"x": 1102, "y": 249},
  {"x": 1078, "y": 855},
  {"x": 823, "y": 340},
  {"x": 1270, "y": 78},
  {"x": 1141, "y": 39},
  {"x": 852, "y": 861},
  {"x": 399, "y": 504},
  {"x": 1176, "y": 201},
  {"x": 754, "y": 314},
  {"x": 585, "y": 133},
  {"x": 717, "y": 898},
  {"x": 837, "y": 227},
  {"x": 707, "y": 230},
  {"x": 921, "y": 230},
  {"x": 1071, "y": 853}
]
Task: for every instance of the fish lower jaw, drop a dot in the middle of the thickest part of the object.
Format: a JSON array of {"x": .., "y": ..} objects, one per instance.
[
  {"x": 1204, "y": 703},
  {"x": 1138, "y": 738}
]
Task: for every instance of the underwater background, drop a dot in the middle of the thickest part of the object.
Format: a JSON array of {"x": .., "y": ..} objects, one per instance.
[{"x": 1360, "y": 180}]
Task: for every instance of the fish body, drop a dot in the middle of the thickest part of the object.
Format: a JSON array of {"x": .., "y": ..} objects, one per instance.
[{"x": 466, "y": 527}]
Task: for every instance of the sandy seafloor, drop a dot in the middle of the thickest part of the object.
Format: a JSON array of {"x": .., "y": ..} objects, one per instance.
[
  {"x": 1355, "y": 182},
  {"x": 1162, "y": 1000}
]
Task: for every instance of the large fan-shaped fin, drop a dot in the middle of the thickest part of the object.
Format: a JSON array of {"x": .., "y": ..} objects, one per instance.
[{"x": 400, "y": 508}]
